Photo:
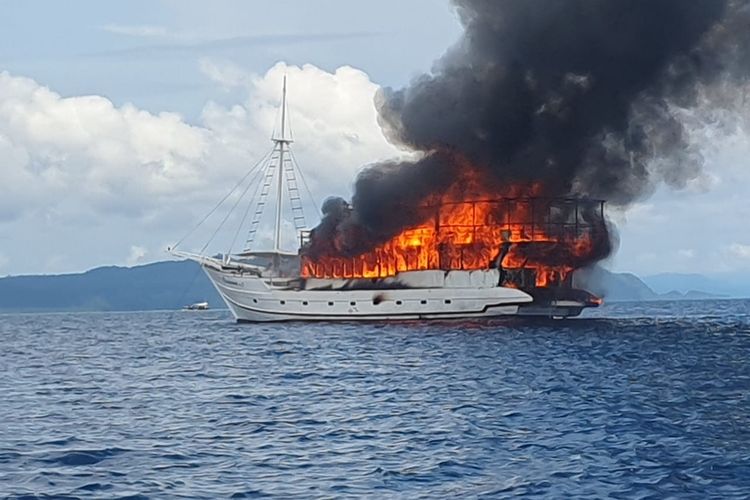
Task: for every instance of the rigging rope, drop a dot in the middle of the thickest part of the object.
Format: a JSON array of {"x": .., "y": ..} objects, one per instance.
[
  {"x": 295, "y": 200},
  {"x": 260, "y": 174},
  {"x": 239, "y": 183},
  {"x": 270, "y": 172},
  {"x": 304, "y": 182},
  {"x": 226, "y": 217}
]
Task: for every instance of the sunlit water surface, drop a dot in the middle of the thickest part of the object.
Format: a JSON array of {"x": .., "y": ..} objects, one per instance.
[{"x": 637, "y": 400}]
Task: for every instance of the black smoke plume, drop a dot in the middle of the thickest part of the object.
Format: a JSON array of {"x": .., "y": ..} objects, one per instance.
[{"x": 577, "y": 95}]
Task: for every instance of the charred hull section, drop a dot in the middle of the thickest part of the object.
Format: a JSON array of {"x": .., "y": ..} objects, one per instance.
[{"x": 558, "y": 302}]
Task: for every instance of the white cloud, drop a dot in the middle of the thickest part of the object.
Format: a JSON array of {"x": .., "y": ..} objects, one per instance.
[
  {"x": 332, "y": 117},
  {"x": 739, "y": 250},
  {"x": 75, "y": 166},
  {"x": 86, "y": 151},
  {"x": 226, "y": 74},
  {"x": 136, "y": 255}
]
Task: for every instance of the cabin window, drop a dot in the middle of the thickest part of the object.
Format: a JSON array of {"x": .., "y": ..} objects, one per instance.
[
  {"x": 255, "y": 301},
  {"x": 422, "y": 301},
  {"x": 447, "y": 301},
  {"x": 330, "y": 303},
  {"x": 282, "y": 302},
  {"x": 352, "y": 303},
  {"x": 304, "y": 302},
  {"x": 398, "y": 302}
]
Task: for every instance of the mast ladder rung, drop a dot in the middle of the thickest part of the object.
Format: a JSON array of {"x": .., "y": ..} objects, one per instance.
[
  {"x": 262, "y": 199},
  {"x": 295, "y": 200}
]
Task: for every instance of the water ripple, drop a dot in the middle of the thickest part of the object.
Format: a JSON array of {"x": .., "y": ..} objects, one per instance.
[{"x": 636, "y": 400}]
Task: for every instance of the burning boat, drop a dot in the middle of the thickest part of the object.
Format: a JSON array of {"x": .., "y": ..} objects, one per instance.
[
  {"x": 466, "y": 252},
  {"x": 478, "y": 258}
]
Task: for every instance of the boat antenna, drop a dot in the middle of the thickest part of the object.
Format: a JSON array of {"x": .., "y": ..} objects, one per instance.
[{"x": 281, "y": 143}]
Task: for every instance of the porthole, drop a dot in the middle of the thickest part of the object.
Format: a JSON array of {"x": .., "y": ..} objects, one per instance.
[
  {"x": 352, "y": 303},
  {"x": 398, "y": 302},
  {"x": 255, "y": 301},
  {"x": 447, "y": 301},
  {"x": 330, "y": 303},
  {"x": 422, "y": 302},
  {"x": 304, "y": 302},
  {"x": 282, "y": 302}
]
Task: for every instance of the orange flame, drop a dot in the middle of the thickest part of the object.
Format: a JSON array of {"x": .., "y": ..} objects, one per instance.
[{"x": 465, "y": 229}]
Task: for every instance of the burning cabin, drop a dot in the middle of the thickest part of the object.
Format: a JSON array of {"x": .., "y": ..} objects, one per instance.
[{"x": 534, "y": 243}]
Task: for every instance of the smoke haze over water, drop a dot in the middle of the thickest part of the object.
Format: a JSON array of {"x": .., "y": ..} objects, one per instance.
[{"x": 575, "y": 95}]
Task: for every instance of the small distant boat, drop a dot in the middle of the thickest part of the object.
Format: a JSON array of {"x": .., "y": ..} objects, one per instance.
[{"x": 198, "y": 306}]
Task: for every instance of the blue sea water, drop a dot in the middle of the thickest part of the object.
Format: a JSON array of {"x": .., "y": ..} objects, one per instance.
[{"x": 635, "y": 401}]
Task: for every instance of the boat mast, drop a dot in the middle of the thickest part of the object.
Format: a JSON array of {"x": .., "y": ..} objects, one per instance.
[{"x": 281, "y": 144}]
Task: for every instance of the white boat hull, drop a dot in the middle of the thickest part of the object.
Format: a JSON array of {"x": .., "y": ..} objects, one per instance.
[{"x": 251, "y": 299}]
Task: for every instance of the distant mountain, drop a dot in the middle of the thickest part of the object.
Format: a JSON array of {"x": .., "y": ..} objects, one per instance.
[
  {"x": 735, "y": 284},
  {"x": 620, "y": 287},
  {"x": 690, "y": 295},
  {"x": 162, "y": 285},
  {"x": 613, "y": 286}
]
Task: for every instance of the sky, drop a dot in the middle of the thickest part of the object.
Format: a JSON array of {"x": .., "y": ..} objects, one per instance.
[{"x": 123, "y": 123}]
